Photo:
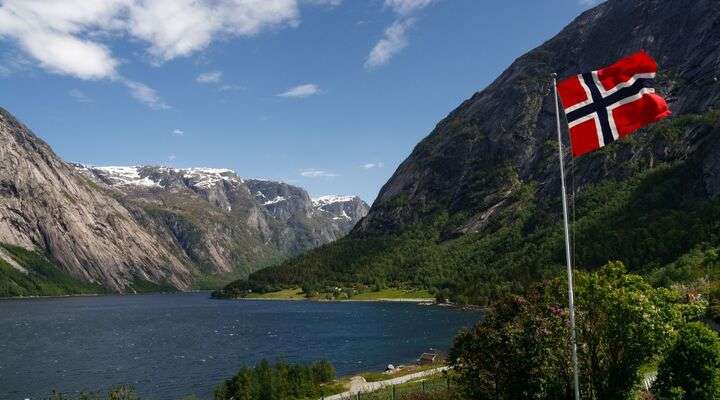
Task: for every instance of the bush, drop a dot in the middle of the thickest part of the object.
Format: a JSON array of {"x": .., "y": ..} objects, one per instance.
[
  {"x": 521, "y": 349},
  {"x": 691, "y": 369},
  {"x": 282, "y": 381}
]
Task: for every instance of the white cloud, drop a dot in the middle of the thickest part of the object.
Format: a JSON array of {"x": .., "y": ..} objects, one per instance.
[
  {"x": 178, "y": 132},
  {"x": 65, "y": 36},
  {"x": 209, "y": 77},
  {"x": 145, "y": 94},
  {"x": 230, "y": 88},
  {"x": 13, "y": 62},
  {"x": 79, "y": 96},
  {"x": 373, "y": 165},
  {"x": 300, "y": 91},
  {"x": 331, "y": 3},
  {"x": 394, "y": 40},
  {"x": 317, "y": 173},
  {"x": 406, "y": 7}
]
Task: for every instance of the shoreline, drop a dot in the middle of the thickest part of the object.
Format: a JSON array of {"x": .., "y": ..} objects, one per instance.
[
  {"x": 380, "y": 300},
  {"x": 418, "y": 301},
  {"x": 64, "y": 296},
  {"x": 424, "y": 302}
]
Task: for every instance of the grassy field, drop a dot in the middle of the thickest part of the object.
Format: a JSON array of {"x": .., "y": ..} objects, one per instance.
[
  {"x": 406, "y": 370},
  {"x": 438, "y": 387},
  {"x": 394, "y": 294},
  {"x": 287, "y": 294},
  {"x": 385, "y": 294}
]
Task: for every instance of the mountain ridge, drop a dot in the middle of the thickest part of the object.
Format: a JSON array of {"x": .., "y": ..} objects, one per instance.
[
  {"x": 127, "y": 228},
  {"x": 474, "y": 209}
]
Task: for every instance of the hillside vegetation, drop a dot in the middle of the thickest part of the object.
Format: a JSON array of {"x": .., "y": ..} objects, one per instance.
[{"x": 657, "y": 220}]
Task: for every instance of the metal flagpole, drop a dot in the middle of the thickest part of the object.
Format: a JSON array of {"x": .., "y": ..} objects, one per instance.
[{"x": 571, "y": 300}]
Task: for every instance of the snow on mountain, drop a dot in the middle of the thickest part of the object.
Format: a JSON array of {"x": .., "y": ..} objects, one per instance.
[
  {"x": 277, "y": 199},
  {"x": 330, "y": 199},
  {"x": 144, "y": 176},
  {"x": 119, "y": 176}
]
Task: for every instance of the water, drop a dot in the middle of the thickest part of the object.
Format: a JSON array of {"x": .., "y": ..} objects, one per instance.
[{"x": 172, "y": 345}]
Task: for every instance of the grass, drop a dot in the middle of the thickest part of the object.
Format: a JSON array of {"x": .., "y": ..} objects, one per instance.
[
  {"x": 287, "y": 294},
  {"x": 394, "y": 294},
  {"x": 407, "y": 370},
  {"x": 384, "y": 294},
  {"x": 437, "y": 387}
]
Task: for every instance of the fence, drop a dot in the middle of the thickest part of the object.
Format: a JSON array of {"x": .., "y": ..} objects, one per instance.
[{"x": 428, "y": 387}]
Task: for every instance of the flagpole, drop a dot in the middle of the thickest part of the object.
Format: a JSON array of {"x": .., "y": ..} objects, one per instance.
[{"x": 571, "y": 300}]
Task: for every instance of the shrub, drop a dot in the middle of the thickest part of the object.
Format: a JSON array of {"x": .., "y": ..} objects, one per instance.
[
  {"x": 521, "y": 349},
  {"x": 691, "y": 369}
]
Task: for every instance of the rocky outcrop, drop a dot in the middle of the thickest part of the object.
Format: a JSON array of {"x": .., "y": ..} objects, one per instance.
[
  {"x": 219, "y": 221},
  {"x": 45, "y": 205},
  {"x": 122, "y": 226},
  {"x": 503, "y": 135},
  {"x": 474, "y": 210}
]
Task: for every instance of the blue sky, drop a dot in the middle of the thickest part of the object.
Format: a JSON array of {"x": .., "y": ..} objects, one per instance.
[{"x": 330, "y": 95}]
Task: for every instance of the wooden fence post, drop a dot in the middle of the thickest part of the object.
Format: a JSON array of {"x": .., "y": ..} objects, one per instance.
[{"x": 394, "y": 394}]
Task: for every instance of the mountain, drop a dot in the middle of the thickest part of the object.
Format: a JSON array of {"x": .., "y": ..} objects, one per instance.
[
  {"x": 45, "y": 205},
  {"x": 144, "y": 228},
  {"x": 474, "y": 210}
]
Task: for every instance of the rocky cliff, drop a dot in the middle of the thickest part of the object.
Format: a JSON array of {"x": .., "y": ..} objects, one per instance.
[
  {"x": 123, "y": 227},
  {"x": 475, "y": 210},
  {"x": 503, "y": 135},
  {"x": 46, "y": 205},
  {"x": 220, "y": 221}
]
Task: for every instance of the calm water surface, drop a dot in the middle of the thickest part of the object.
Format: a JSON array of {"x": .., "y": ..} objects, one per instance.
[{"x": 173, "y": 345}]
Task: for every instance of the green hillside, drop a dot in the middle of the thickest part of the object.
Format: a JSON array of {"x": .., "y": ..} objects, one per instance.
[
  {"x": 43, "y": 278},
  {"x": 651, "y": 218}
]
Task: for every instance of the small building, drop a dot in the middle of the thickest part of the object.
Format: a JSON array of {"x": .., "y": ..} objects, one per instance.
[{"x": 428, "y": 359}]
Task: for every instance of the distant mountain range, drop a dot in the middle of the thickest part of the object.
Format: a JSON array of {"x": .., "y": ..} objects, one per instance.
[
  {"x": 475, "y": 209},
  {"x": 145, "y": 227}
]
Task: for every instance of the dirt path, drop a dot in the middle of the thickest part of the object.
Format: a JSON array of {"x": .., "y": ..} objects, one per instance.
[{"x": 359, "y": 385}]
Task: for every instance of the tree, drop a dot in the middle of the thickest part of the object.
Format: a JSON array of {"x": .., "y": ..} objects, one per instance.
[
  {"x": 518, "y": 352},
  {"x": 623, "y": 323},
  {"x": 281, "y": 381},
  {"x": 521, "y": 349},
  {"x": 692, "y": 366},
  {"x": 323, "y": 371},
  {"x": 123, "y": 392}
]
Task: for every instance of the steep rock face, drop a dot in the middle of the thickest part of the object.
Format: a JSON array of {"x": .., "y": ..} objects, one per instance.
[
  {"x": 503, "y": 136},
  {"x": 474, "y": 212},
  {"x": 219, "y": 221},
  {"x": 45, "y": 205},
  {"x": 127, "y": 227},
  {"x": 343, "y": 211}
]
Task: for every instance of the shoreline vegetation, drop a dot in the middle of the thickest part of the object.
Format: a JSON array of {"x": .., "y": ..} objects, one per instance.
[
  {"x": 334, "y": 294},
  {"x": 317, "y": 380}
]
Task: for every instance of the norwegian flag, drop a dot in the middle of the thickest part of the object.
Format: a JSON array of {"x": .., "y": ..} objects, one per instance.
[{"x": 610, "y": 103}]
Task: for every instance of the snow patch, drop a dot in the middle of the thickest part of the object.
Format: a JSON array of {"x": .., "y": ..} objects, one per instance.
[
  {"x": 331, "y": 199},
  {"x": 122, "y": 176},
  {"x": 209, "y": 177},
  {"x": 277, "y": 199},
  {"x": 204, "y": 178}
]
